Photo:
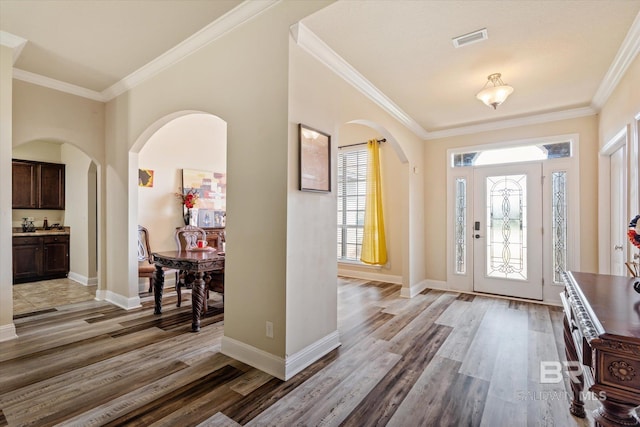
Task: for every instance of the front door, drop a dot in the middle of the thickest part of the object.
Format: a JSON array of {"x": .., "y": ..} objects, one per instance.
[{"x": 508, "y": 230}]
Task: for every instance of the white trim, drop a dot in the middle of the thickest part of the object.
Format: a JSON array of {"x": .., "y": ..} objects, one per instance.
[
  {"x": 619, "y": 140},
  {"x": 311, "y": 43},
  {"x": 413, "y": 290},
  {"x": 14, "y": 42},
  {"x": 627, "y": 52},
  {"x": 54, "y": 84},
  {"x": 509, "y": 123},
  {"x": 259, "y": 359},
  {"x": 121, "y": 301},
  {"x": 230, "y": 20},
  {"x": 370, "y": 275},
  {"x": 83, "y": 280},
  {"x": 8, "y": 332},
  {"x": 277, "y": 366},
  {"x": 308, "y": 355}
]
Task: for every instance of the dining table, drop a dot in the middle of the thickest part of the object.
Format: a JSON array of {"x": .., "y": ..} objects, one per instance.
[{"x": 197, "y": 262}]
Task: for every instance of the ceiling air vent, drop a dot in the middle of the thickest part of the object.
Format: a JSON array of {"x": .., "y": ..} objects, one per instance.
[{"x": 474, "y": 37}]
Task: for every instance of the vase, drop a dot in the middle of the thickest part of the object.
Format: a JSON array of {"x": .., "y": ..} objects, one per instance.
[
  {"x": 186, "y": 215},
  {"x": 193, "y": 217}
]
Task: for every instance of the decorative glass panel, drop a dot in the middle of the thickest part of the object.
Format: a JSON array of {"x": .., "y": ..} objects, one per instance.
[
  {"x": 507, "y": 227},
  {"x": 461, "y": 225},
  {"x": 559, "y": 224}
]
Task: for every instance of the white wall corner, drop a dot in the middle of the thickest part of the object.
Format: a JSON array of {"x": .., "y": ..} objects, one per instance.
[
  {"x": 8, "y": 332},
  {"x": 121, "y": 301},
  {"x": 311, "y": 353},
  {"x": 276, "y": 366},
  {"x": 259, "y": 359},
  {"x": 421, "y": 286},
  {"x": 413, "y": 290}
]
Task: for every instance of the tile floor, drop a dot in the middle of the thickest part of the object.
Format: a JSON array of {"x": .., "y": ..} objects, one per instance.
[{"x": 34, "y": 296}]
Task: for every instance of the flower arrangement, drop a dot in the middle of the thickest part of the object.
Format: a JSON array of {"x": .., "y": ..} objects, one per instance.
[
  {"x": 634, "y": 237},
  {"x": 189, "y": 198}
]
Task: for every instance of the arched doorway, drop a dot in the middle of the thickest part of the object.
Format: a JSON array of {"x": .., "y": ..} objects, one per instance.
[
  {"x": 190, "y": 140},
  {"x": 80, "y": 216}
]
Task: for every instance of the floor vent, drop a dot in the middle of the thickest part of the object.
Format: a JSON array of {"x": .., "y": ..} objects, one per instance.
[{"x": 474, "y": 37}]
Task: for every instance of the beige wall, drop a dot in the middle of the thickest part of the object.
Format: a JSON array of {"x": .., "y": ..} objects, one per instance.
[
  {"x": 249, "y": 92},
  {"x": 436, "y": 189},
  {"x": 7, "y": 328}
]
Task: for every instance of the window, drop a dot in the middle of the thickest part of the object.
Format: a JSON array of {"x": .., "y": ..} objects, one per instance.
[
  {"x": 512, "y": 154},
  {"x": 352, "y": 189}
]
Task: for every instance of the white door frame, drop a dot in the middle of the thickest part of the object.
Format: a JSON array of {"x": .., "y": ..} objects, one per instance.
[
  {"x": 619, "y": 140},
  {"x": 464, "y": 281}
]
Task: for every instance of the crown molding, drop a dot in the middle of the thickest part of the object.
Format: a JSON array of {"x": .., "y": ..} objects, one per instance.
[
  {"x": 227, "y": 22},
  {"x": 311, "y": 43},
  {"x": 510, "y": 123},
  {"x": 14, "y": 42},
  {"x": 41, "y": 80},
  {"x": 626, "y": 54}
]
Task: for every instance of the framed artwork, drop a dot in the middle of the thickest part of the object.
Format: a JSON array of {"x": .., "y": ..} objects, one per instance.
[
  {"x": 315, "y": 159},
  {"x": 145, "y": 178},
  {"x": 212, "y": 190}
]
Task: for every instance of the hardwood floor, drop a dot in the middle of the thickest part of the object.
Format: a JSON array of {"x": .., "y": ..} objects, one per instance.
[{"x": 440, "y": 358}]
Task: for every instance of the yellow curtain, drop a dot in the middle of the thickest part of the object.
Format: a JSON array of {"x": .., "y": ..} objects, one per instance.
[{"x": 374, "y": 247}]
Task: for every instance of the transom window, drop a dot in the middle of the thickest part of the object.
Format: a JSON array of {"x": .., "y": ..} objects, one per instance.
[
  {"x": 512, "y": 154},
  {"x": 352, "y": 190}
]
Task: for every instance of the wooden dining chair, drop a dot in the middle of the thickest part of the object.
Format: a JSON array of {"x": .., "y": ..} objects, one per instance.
[
  {"x": 187, "y": 238},
  {"x": 146, "y": 268}
]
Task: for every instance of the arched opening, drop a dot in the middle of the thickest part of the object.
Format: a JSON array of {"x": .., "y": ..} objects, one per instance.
[
  {"x": 183, "y": 141},
  {"x": 395, "y": 191},
  {"x": 79, "y": 217}
]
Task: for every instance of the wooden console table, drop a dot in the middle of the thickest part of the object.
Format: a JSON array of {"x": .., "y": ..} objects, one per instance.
[
  {"x": 197, "y": 262},
  {"x": 602, "y": 332}
]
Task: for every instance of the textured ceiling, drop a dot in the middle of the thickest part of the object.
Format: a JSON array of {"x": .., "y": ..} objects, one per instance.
[{"x": 554, "y": 53}]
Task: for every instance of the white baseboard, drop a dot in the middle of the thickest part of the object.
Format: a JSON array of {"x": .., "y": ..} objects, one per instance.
[
  {"x": 415, "y": 289},
  {"x": 305, "y": 357},
  {"x": 8, "y": 332},
  {"x": 260, "y": 359},
  {"x": 370, "y": 275},
  {"x": 83, "y": 280},
  {"x": 120, "y": 301},
  {"x": 277, "y": 366}
]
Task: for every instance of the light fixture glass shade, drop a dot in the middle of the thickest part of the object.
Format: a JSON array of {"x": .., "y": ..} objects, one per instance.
[{"x": 494, "y": 95}]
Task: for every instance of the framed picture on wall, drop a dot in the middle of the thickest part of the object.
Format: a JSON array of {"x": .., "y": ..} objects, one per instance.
[
  {"x": 212, "y": 189},
  {"x": 315, "y": 159}
]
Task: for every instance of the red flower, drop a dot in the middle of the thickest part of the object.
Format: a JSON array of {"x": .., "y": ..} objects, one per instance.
[{"x": 189, "y": 198}]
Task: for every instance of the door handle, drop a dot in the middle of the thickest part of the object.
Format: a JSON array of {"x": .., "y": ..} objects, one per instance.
[{"x": 617, "y": 248}]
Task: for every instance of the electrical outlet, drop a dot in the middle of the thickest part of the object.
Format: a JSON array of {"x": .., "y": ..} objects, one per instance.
[{"x": 269, "y": 329}]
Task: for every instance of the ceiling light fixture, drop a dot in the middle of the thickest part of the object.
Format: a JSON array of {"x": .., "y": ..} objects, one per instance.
[{"x": 497, "y": 93}]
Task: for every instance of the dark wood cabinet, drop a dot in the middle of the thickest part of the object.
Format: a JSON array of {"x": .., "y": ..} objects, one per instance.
[
  {"x": 27, "y": 258},
  {"x": 38, "y": 185},
  {"x": 24, "y": 193},
  {"x": 40, "y": 257}
]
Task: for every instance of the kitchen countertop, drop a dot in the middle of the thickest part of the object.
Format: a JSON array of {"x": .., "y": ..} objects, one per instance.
[{"x": 17, "y": 232}]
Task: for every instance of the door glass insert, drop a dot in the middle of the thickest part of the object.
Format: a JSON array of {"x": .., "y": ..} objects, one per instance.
[
  {"x": 461, "y": 225},
  {"x": 559, "y": 224},
  {"x": 506, "y": 229}
]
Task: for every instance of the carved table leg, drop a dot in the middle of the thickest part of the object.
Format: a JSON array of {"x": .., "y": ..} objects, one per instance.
[
  {"x": 577, "y": 381},
  {"x": 614, "y": 413},
  {"x": 197, "y": 299},
  {"x": 158, "y": 286}
]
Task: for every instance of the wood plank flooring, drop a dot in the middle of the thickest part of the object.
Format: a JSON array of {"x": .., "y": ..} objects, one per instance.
[{"x": 439, "y": 359}]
